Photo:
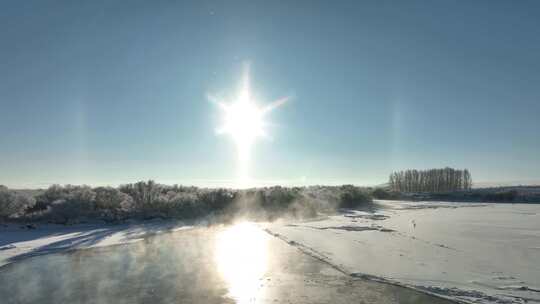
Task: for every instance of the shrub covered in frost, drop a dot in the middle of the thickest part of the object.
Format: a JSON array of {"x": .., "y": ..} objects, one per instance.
[
  {"x": 13, "y": 204},
  {"x": 145, "y": 200}
]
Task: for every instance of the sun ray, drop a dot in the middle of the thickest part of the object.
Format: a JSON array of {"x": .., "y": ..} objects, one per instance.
[{"x": 275, "y": 104}]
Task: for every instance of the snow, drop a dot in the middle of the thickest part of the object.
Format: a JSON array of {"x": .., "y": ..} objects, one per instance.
[
  {"x": 482, "y": 253},
  {"x": 18, "y": 241}
]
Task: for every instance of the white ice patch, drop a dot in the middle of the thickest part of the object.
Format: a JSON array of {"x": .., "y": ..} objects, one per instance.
[
  {"x": 17, "y": 242},
  {"x": 482, "y": 253}
]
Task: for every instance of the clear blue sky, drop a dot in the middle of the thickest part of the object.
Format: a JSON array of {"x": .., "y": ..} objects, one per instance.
[{"x": 107, "y": 92}]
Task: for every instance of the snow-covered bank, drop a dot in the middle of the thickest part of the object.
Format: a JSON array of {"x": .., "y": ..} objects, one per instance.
[
  {"x": 18, "y": 241},
  {"x": 471, "y": 252}
]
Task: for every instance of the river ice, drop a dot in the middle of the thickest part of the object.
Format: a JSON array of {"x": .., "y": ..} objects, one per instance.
[{"x": 482, "y": 253}]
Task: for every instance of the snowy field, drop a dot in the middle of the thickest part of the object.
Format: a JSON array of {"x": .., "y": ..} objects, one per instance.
[{"x": 481, "y": 253}]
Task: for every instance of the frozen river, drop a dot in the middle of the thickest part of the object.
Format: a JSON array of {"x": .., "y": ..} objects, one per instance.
[
  {"x": 230, "y": 264},
  {"x": 476, "y": 253}
]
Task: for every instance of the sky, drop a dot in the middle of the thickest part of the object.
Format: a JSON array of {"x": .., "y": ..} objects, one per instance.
[{"x": 110, "y": 92}]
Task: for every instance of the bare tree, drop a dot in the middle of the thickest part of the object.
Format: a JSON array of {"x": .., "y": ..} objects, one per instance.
[{"x": 432, "y": 180}]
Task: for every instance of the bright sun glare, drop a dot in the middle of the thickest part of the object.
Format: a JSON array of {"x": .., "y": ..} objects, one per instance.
[
  {"x": 242, "y": 260},
  {"x": 243, "y": 120}
]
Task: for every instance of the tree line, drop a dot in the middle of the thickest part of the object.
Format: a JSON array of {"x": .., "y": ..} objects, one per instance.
[
  {"x": 145, "y": 200},
  {"x": 431, "y": 180}
]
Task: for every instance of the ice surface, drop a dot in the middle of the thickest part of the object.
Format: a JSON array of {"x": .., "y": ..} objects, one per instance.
[
  {"x": 18, "y": 242},
  {"x": 471, "y": 252}
]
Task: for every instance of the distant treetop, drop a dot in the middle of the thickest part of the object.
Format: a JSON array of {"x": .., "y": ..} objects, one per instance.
[{"x": 431, "y": 180}]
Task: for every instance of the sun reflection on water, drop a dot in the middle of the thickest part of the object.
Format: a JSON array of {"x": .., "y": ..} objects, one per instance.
[{"x": 242, "y": 260}]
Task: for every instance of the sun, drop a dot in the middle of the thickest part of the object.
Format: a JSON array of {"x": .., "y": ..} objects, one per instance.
[{"x": 244, "y": 120}]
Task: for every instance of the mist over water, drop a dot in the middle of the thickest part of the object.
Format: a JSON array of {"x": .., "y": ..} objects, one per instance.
[{"x": 239, "y": 263}]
